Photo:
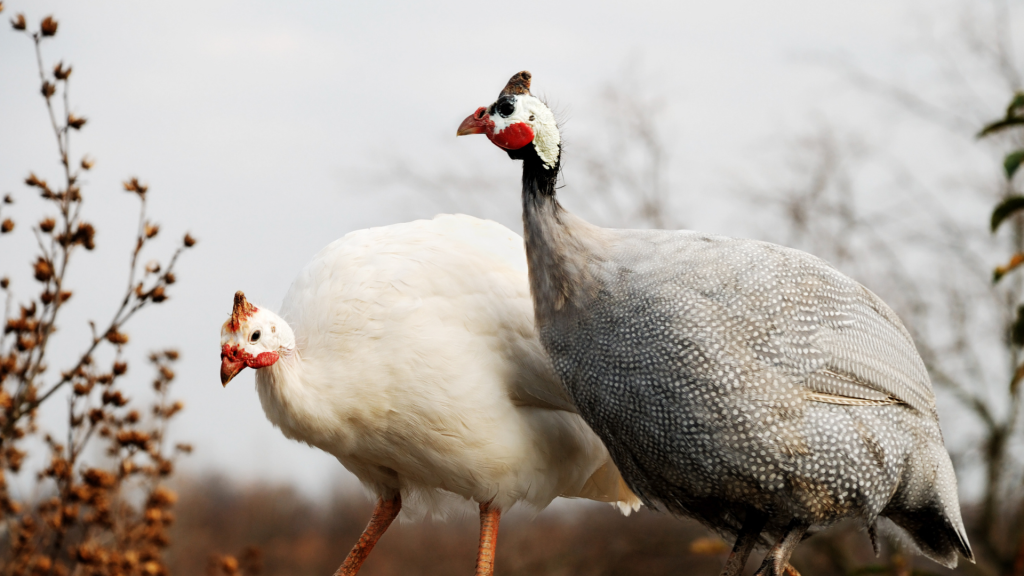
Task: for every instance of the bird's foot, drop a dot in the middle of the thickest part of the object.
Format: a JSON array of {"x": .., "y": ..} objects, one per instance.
[
  {"x": 383, "y": 514},
  {"x": 489, "y": 519},
  {"x": 745, "y": 542},
  {"x": 776, "y": 562}
]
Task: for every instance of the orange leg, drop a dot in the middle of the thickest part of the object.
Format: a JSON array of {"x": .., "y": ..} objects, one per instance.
[
  {"x": 489, "y": 518},
  {"x": 383, "y": 514}
]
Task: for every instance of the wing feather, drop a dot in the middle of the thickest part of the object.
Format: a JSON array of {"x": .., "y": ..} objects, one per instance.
[{"x": 792, "y": 312}]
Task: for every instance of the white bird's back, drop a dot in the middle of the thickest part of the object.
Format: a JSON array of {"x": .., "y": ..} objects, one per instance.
[{"x": 417, "y": 365}]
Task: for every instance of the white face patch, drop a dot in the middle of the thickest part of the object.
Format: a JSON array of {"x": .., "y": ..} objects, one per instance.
[
  {"x": 270, "y": 339},
  {"x": 532, "y": 112}
]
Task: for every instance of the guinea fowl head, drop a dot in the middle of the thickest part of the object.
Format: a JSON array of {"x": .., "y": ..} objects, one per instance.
[
  {"x": 518, "y": 123},
  {"x": 253, "y": 338}
]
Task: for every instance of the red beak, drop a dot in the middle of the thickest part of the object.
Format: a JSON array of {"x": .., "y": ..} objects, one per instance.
[
  {"x": 229, "y": 369},
  {"x": 476, "y": 123},
  {"x": 230, "y": 365}
]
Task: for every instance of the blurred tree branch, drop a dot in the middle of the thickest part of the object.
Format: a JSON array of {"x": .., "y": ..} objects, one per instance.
[{"x": 87, "y": 524}]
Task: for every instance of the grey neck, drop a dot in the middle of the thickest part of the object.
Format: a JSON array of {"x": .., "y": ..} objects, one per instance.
[{"x": 559, "y": 247}]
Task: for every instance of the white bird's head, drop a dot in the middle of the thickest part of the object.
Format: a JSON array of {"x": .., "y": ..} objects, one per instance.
[
  {"x": 518, "y": 123},
  {"x": 253, "y": 338}
]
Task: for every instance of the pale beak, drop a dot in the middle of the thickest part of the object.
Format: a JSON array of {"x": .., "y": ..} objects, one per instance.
[
  {"x": 229, "y": 368},
  {"x": 475, "y": 123}
]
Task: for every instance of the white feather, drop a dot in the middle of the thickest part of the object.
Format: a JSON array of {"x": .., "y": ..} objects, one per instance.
[
  {"x": 409, "y": 353},
  {"x": 531, "y": 111}
]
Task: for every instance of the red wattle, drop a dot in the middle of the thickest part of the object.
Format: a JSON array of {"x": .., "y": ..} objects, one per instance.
[
  {"x": 513, "y": 137},
  {"x": 263, "y": 360},
  {"x": 232, "y": 361},
  {"x": 232, "y": 352}
]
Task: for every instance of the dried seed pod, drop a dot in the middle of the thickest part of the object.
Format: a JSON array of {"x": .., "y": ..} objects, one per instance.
[
  {"x": 114, "y": 397},
  {"x": 115, "y": 337},
  {"x": 43, "y": 269},
  {"x": 60, "y": 72},
  {"x": 48, "y": 27},
  {"x": 34, "y": 180},
  {"x": 133, "y": 185},
  {"x": 161, "y": 498},
  {"x": 99, "y": 478},
  {"x": 157, "y": 295},
  {"x": 76, "y": 122},
  {"x": 133, "y": 438}
]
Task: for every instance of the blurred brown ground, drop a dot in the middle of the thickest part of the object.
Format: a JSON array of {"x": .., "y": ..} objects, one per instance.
[{"x": 296, "y": 536}]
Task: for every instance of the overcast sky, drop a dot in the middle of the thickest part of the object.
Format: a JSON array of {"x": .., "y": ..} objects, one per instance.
[{"x": 256, "y": 125}]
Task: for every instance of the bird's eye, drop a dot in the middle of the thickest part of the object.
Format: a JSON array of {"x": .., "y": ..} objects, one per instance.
[
  {"x": 506, "y": 108},
  {"x": 255, "y": 337}
]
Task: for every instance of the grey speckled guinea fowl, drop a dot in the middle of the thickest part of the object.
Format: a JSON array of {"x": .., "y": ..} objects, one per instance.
[{"x": 750, "y": 386}]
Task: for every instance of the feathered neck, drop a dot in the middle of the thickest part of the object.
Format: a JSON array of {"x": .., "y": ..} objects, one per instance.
[
  {"x": 287, "y": 398},
  {"x": 559, "y": 246}
]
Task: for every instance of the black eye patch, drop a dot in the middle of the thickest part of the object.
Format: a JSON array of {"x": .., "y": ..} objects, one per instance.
[{"x": 506, "y": 106}]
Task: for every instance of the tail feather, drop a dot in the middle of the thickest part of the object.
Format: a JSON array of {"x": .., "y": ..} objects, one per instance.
[
  {"x": 607, "y": 485},
  {"x": 934, "y": 534},
  {"x": 929, "y": 512}
]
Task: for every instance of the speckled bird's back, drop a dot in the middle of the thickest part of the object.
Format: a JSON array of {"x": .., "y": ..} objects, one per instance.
[{"x": 748, "y": 373}]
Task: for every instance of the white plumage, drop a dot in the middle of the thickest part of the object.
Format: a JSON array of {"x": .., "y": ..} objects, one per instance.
[{"x": 409, "y": 353}]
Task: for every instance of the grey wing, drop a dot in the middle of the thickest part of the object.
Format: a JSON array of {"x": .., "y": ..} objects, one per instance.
[
  {"x": 835, "y": 335},
  {"x": 798, "y": 315}
]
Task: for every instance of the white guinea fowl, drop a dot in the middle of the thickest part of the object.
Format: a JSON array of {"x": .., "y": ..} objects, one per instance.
[{"x": 409, "y": 353}]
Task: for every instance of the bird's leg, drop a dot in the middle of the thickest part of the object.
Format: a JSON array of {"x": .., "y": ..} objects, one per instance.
[
  {"x": 776, "y": 563},
  {"x": 745, "y": 542},
  {"x": 383, "y": 514},
  {"x": 489, "y": 518}
]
